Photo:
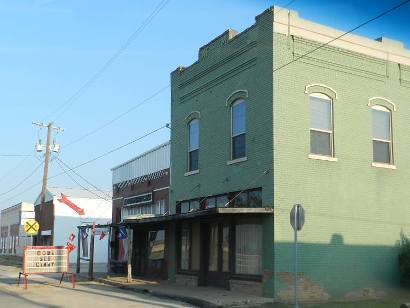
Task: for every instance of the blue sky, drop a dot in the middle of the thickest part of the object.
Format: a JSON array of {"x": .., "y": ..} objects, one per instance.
[{"x": 50, "y": 48}]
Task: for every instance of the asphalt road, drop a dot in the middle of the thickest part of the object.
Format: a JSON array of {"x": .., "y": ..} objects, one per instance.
[{"x": 46, "y": 292}]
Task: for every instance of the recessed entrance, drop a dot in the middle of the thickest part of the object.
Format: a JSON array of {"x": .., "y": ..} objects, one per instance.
[{"x": 217, "y": 254}]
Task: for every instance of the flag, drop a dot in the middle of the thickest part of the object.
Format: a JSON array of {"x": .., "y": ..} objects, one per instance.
[
  {"x": 84, "y": 234},
  {"x": 71, "y": 237},
  {"x": 122, "y": 233},
  {"x": 70, "y": 247},
  {"x": 102, "y": 235},
  {"x": 73, "y": 206}
]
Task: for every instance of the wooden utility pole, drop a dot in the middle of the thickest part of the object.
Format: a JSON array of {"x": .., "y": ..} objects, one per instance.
[
  {"x": 49, "y": 127},
  {"x": 46, "y": 160}
]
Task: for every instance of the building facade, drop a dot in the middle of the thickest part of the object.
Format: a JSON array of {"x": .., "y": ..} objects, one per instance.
[
  {"x": 140, "y": 198},
  {"x": 63, "y": 211},
  {"x": 12, "y": 219},
  {"x": 274, "y": 116}
]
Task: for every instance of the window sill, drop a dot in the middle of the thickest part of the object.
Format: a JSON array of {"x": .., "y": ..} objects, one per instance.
[
  {"x": 191, "y": 172},
  {"x": 238, "y": 160},
  {"x": 382, "y": 165},
  {"x": 322, "y": 157}
]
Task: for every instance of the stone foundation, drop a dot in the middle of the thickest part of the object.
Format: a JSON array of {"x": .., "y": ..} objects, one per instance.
[
  {"x": 186, "y": 280},
  {"x": 248, "y": 287}
]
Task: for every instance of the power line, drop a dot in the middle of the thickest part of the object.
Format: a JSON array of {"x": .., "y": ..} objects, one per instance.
[
  {"x": 92, "y": 160},
  {"x": 15, "y": 155},
  {"x": 59, "y": 161},
  {"x": 23, "y": 180},
  {"x": 65, "y": 105},
  {"x": 92, "y": 132},
  {"x": 78, "y": 183},
  {"x": 342, "y": 35}
]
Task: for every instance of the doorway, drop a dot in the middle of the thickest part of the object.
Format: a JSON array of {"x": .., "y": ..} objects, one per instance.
[{"x": 217, "y": 254}]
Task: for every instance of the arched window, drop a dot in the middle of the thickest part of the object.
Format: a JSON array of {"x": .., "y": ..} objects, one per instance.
[
  {"x": 193, "y": 144},
  {"x": 321, "y": 125},
  {"x": 382, "y": 135},
  {"x": 238, "y": 129}
]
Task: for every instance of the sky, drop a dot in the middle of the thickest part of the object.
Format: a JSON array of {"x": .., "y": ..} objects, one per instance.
[{"x": 50, "y": 49}]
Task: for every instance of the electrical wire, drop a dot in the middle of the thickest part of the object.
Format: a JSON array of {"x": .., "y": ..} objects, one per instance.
[
  {"x": 91, "y": 160},
  {"x": 342, "y": 35},
  {"x": 92, "y": 132},
  {"x": 23, "y": 180},
  {"x": 67, "y": 104},
  {"x": 59, "y": 161}
]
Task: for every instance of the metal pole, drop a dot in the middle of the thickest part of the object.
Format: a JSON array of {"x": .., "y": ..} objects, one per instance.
[
  {"x": 296, "y": 256},
  {"x": 91, "y": 262},
  {"x": 78, "y": 268}
]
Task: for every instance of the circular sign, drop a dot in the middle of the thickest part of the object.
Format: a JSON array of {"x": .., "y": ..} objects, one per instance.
[{"x": 31, "y": 227}]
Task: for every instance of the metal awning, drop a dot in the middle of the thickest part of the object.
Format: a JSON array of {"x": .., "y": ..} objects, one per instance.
[{"x": 200, "y": 213}]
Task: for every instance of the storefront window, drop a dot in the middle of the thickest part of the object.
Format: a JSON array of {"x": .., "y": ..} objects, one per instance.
[
  {"x": 213, "y": 248},
  {"x": 156, "y": 250},
  {"x": 185, "y": 247},
  {"x": 248, "y": 249},
  {"x": 225, "y": 248}
]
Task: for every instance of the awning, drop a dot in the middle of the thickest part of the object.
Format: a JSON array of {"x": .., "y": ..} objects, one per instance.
[{"x": 200, "y": 213}]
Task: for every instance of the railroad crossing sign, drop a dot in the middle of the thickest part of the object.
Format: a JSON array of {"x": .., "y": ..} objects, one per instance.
[{"x": 31, "y": 227}]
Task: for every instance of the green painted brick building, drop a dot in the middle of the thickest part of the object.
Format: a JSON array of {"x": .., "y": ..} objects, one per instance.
[{"x": 259, "y": 125}]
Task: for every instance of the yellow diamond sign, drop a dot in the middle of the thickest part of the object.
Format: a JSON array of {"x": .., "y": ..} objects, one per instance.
[{"x": 31, "y": 227}]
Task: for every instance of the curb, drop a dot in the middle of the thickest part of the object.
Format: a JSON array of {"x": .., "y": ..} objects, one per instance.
[{"x": 186, "y": 299}]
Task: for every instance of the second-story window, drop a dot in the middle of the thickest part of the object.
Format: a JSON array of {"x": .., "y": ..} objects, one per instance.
[
  {"x": 382, "y": 136},
  {"x": 193, "y": 145},
  {"x": 238, "y": 114},
  {"x": 321, "y": 125}
]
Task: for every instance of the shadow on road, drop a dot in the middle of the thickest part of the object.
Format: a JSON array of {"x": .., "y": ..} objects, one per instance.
[
  {"x": 4, "y": 293},
  {"x": 107, "y": 291}
]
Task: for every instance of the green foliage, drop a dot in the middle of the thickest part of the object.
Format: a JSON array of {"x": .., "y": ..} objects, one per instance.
[{"x": 404, "y": 260}]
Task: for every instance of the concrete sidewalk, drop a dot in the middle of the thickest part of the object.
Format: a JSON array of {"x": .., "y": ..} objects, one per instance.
[{"x": 198, "y": 296}]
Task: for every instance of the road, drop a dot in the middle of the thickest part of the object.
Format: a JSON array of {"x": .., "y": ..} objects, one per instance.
[{"x": 46, "y": 292}]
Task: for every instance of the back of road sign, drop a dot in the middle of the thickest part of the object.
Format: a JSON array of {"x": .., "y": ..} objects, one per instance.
[{"x": 297, "y": 217}]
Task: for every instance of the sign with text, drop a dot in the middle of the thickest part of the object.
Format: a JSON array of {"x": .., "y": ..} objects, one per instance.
[{"x": 45, "y": 259}]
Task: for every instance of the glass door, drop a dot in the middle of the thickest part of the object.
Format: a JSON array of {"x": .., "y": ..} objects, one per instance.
[{"x": 217, "y": 271}]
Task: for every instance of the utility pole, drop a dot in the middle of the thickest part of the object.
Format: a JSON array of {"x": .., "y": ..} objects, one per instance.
[{"x": 48, "y": 149}]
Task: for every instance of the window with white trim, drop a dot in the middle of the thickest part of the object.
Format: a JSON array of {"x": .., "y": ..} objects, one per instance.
[
  {"x": 238, "y": 129},
  {"x": 193, "y": 145},
  {"x": 321, "y": 125},
  {"x": 382, "y": 135}
]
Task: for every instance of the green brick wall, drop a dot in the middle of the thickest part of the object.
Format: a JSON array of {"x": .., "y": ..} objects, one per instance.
[{"x": 354, "y": 212}]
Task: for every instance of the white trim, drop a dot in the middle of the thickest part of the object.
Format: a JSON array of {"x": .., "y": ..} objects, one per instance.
[
  {"x": 162, "y": 188},
  {"x": 233, "y": 93},
  {"x": 382, "y": 165},
  {"x": 370, "y": 104},
  {"x": 117, "y": 198},
  {"x": 238, "y": 160},
  {"x": 191, "y": 172},
  {"x": 321, "y": 96},
  {"x": 320, "y": 85},
  {"x": 322, "y": 157}
]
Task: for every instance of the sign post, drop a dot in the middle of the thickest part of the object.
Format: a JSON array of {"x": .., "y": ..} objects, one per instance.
[{"x": 297, "y": 220}]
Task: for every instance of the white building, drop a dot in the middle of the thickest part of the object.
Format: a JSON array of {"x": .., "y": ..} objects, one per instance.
[
  {"x": 12, "y": 236},
  {"x": 59, "y": 218}
]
